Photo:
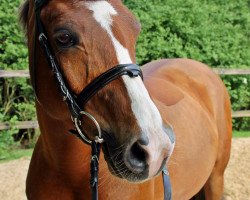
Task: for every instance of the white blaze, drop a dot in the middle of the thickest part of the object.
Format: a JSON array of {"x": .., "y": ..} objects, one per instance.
[{"x": 144, "y": 109}]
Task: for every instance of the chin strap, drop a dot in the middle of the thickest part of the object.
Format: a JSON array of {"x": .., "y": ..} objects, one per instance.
[
  {"x": 165, "y": 174},
  {"x": 166, "y": 184}
]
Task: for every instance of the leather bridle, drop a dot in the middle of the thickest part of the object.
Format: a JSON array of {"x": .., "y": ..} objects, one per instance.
[{"x": 76, "y": 102}]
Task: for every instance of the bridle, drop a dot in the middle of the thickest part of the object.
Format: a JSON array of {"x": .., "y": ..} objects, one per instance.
[{"x": 76, "y": 102}]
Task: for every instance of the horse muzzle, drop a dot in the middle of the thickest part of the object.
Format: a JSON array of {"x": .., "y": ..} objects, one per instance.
[{"x": 141, "y": 159}]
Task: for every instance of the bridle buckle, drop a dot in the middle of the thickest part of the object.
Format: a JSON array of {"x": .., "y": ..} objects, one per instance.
[{"x": 98, "y": 139}]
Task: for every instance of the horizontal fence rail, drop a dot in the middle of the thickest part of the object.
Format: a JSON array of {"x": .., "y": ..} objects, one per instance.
[
  {"x": 25, "y": 73},
  {"x": 232, "y": 71},
  {"x": 19, "y": 125},
  {"x": 34, "y": 124},
  {"x": 14, "y": 73},
  {"x": 241, "y": 113}
]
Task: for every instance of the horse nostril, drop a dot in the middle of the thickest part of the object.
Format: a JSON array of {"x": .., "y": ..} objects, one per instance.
[{"x": 136, "y": 158}]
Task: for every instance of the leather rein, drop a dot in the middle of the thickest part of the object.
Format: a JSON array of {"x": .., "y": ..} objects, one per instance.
[{"x": 75, "y": 103}]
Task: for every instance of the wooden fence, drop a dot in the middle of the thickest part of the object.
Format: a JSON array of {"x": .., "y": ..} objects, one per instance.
[
  {"x": 34, "y": 124},
  {"x": 25, "y": 73}
]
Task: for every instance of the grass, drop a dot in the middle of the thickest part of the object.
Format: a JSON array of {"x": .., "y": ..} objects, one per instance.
[
  {"x": 12, "y": 154},
  {"x": 241, "y": 134}
]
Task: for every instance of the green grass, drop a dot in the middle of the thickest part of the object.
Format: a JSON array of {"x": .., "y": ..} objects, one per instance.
[
  {"x": 241, "y": 134},
  {"x": 12, "y": 154}
]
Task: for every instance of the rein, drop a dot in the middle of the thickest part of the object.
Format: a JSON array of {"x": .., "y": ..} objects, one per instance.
[{"x": 76, "y": 102}]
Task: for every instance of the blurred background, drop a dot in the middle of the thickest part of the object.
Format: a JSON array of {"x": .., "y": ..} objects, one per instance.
[{"x": 215, "y": 32}]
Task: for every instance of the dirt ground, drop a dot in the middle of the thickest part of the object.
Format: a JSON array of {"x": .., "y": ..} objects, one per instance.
[{"x": 237, "y": 179}]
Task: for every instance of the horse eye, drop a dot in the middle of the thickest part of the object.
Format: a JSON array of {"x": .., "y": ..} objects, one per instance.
[{"x": 64, "y": 39}]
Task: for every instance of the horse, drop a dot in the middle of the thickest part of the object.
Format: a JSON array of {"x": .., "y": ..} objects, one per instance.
[{"x": 136, "y": 117}]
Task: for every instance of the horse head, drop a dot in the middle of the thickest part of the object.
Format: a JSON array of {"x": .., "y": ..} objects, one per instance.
[{"x": 88, "y": 38}]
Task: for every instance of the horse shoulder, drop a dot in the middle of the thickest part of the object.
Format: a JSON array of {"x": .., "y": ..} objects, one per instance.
[{"x": 170, "y": 80}]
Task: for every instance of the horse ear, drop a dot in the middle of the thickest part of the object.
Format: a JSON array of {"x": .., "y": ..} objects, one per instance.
[
  {"x": 163, "y": 90},
  {"x": 23, "y": 15}
]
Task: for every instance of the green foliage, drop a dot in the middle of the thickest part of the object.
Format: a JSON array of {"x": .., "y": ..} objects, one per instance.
[
  {"x": 13, "y": 51},
  {"x": 16, "y": 97},
  {"x": 215, "y": 32},
  {"x": 239, "y": 89},
  {"x": 15, "y": 153}
]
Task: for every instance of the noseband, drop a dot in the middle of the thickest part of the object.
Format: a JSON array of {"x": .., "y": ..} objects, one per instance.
[{"x": 76, "y": 102}]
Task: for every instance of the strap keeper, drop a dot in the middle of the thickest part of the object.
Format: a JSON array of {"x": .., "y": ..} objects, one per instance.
[
  {"x": 95, "y": 157},
  {"x": 42, "y": 37}
]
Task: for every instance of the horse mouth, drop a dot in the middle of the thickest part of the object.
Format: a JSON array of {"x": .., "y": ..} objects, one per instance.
[
  {"x": 118, "y": 168},
  {"x": 111, "y": 165}
]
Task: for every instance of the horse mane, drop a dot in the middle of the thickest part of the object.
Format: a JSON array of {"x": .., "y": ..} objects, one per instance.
[{"x": 23, "y": 14}]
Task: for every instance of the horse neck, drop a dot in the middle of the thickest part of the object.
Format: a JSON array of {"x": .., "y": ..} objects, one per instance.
[{"x": 59, "y": 148}]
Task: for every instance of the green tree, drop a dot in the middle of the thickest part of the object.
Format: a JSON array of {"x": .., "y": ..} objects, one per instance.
[{"x": 215, "y": 32}]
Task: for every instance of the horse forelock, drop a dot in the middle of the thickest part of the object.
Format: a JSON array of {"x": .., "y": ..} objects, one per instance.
[{"x": 23, "y": 14}]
